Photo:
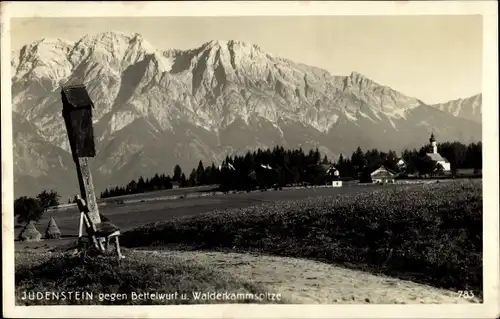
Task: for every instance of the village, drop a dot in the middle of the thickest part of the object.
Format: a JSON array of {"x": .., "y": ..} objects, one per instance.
[
  {"x": 232, "y": 175},
  {"x": 160, "y": 168}
]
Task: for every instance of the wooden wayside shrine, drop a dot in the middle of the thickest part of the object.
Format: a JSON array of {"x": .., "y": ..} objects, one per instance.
[{"x": 77, "y": 114}]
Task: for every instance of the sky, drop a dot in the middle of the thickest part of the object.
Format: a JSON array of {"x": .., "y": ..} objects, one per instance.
[{"x": 435, "y": 58}]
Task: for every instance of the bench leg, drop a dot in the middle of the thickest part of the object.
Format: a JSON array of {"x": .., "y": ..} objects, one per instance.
[
  {"x": 80, "y": 229},
  {"x": 95, "y": 241},
  {"x": 100, "y": 242},
  {"x": 118, "y": 251}
]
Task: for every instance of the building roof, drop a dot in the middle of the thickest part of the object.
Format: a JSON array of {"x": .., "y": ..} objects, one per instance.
[
  {"x": 437, "y": 157},
  {"x": 401, "y": 160},
  {"x": 382, "y": 175},
  {"x": 331, "y": 169},
  {"x": 326, "y": 168},
  {"x": 382, "y": 171},
  {"x": 77, "y": 95}
]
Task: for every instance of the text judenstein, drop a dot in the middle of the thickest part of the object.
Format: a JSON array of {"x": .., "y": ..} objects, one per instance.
[{"x": 62, "y": 295}]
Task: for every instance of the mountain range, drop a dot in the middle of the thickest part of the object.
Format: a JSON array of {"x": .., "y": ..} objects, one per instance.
[{"x": 155, "y": 108}]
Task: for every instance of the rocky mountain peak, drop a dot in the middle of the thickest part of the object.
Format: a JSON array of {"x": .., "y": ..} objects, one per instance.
[
  {"x": 357, "y": 78},
  {"x": 111, "y": 36},
  {"x": 227, "y": 43},
  {"x": 167, "y": 107},
  {"x": 468, "y": 108}
]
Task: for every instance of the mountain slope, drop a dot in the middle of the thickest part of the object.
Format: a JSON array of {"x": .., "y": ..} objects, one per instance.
[
  {"x": 38, "y": 165},
  {"x": 157, "y": 108},
  {"x": 469, "y": 108}
]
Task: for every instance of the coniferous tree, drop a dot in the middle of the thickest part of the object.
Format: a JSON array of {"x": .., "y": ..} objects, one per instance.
[
  {"x": 391, "y": 161},
  {"x": 192, "y": 178},
  {"x": 177, "y": 173},
  {"x": 325, "y": 160},
  {"x": 208, "y": 175},
  {"x": 132, "y": 187},
  {"x": 316, "y": 156},
  {"x": 294, "y": 166},
  {"x": 358, "y": 161},
  {"x": 182, "y": 180},
  {"x": 214, "y": 174},
  {"x": 141, "y": 185},
  {"x": 200, "y": 174},
  {"x": 168, "y": 182}
]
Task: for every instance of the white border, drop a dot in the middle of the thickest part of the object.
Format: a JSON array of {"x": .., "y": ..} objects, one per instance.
[{"x": 489, "y": 10}]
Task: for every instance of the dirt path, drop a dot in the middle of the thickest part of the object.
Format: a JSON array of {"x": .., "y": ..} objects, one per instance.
[{"x": 305, "y": 281}]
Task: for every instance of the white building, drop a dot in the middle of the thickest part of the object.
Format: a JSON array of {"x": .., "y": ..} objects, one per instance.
[
  {"x": 435, "y": 156},
  {"x": 333, "y": 171},
  {"x": 382, "y": 175}
]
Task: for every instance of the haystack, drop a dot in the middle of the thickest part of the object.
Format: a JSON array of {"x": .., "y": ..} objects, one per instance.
[
  {"x": 52, "y": 231},
  {"x": 30, "y": 233}
]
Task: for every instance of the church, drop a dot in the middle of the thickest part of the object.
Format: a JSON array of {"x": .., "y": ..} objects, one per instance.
[{"x": 435, "y": 156}]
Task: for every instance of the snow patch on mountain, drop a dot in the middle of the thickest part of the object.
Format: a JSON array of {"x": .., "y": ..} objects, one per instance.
[
  {"x": 169, "y": 106},
  {"x": 469, "y": 108},
  {"x": 366, "y": 116}
]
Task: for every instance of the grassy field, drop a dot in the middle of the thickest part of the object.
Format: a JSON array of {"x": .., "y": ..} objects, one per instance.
[
  {"x": 115, "y": 284},
  {"x": 130, "y": 216},
  {"x": 162, "y": 193},
  {"x": 349, "y": 245},
  {"x": 425, "y": 233}
]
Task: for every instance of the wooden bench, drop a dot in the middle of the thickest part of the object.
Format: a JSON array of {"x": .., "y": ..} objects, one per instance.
[{"x": 99, "y": 234}]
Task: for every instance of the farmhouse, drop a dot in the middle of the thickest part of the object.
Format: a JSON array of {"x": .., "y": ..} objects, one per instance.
[
  {"x": 435, "y": 156},
  {"x": 382, "y": 175},
  {"x": 333, "y": 171},
  {"x": 334, "y": 175},
  {"x": 328, "y": 169}
]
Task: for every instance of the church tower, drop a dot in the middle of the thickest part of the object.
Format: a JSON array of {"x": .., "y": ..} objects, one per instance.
[{"x": 432, "y": 140}]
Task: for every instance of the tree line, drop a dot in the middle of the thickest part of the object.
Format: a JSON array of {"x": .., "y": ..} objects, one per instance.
[{"x": 278, "y": 167}]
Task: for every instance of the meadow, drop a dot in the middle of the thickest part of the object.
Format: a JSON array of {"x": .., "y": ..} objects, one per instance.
[
  {"x": 430, "y": 233},
  {"x": 113, "y": 283},
  {"x": 415, "y": 243}
]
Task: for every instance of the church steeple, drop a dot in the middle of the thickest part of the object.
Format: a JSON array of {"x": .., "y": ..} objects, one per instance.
[{"x": 433, "y": 143}]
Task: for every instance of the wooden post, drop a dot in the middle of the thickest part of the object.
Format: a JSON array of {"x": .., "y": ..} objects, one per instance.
[
  {"x": 89, "y": 226},
  {"x": 87, "y": 188},
  {"x": 77, "y": 114}
]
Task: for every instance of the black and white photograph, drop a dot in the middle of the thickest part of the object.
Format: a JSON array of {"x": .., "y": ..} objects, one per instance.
[{"x": 237, "y": 154}]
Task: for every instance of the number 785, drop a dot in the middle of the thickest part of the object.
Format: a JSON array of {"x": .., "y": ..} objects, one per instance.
[{"x": 466, "y": 294}]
